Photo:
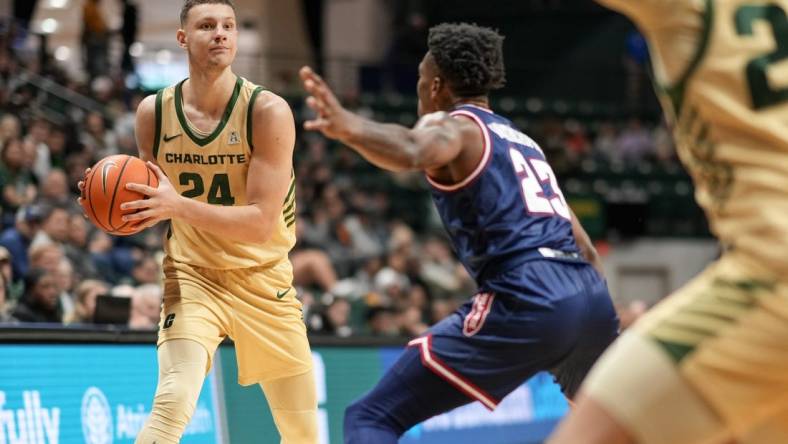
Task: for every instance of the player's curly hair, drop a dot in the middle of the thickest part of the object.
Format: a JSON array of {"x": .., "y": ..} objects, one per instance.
[
  {"x": 470, "y": 57},
  {"x": 189, "y": 4}
]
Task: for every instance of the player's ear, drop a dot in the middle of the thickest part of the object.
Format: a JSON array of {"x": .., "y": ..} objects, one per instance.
[
  {"x": 436, "y": 86},
  {"x": 181, "y": 37}
]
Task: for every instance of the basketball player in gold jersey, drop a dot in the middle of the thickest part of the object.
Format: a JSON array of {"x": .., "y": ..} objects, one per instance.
[
  {"x": 709, "y": 365},
  {"x": 222, "y": 149}
]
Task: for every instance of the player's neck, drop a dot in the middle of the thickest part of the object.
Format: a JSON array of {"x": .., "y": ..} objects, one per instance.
[
  {"x": 480, "y": 101},
  {"x": 214, "y": 89}
]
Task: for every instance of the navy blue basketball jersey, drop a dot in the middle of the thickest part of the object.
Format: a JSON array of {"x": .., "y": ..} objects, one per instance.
[{"x": 509, "y": 207}]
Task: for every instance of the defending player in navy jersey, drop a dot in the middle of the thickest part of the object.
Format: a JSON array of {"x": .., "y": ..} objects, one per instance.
[{"x": 541, "y": 305}]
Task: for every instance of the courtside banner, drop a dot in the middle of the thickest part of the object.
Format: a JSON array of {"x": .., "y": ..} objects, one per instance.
[{"x": 87, "y": 394}]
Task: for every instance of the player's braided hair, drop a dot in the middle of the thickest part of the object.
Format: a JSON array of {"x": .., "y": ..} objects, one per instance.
[
  {"x": 470, "y": 57},
  {"x": 189, "y": 4}
]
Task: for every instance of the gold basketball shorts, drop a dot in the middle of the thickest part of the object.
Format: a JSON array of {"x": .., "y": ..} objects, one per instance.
[
  {"x": 255, "y": 307},
  {"x": 707, "y": 365}
]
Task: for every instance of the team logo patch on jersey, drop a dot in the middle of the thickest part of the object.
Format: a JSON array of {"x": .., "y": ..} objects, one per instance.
[
  {"x": 234, "y": 139},
  {"x": 474, "y": 321}
]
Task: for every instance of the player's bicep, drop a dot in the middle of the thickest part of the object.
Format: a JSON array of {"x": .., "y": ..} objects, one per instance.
[
  {"x": 145, "y": 128},
  {"x": 438, "y": 138},
  {"x": 271, "y": 164}
]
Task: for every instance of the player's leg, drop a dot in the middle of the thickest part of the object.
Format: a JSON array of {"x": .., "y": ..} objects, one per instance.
[
  {"x": 182, "y": 367},
  {"x": 489, "y": 347},
  {"x": 293, "y": 403},
  {"x": 631, "y": 375},
  {"x": 408, "y": 394},
  {"x": 708, "y": 365},
  {"x": 193, "y": 323},
  {"x": 596, "y": 424},
  {"x": 272, "y": 348}
]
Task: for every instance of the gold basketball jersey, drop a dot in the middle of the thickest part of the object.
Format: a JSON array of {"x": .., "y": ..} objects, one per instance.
[
  {"x": 721, "y": 68},
  {"x": 213, "y": 168}
]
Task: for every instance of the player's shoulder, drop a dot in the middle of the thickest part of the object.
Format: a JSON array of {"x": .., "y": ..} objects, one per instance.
[
  {"x": 270, "y": 106},
  {"x": 147, "y": 105}
]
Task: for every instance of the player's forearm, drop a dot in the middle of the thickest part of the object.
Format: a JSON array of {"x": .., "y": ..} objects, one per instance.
[
  {"x": 244, "y": 223},
  {"x": 388, "y": 146}
]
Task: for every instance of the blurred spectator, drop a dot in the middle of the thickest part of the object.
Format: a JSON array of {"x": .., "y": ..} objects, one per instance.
[
  {"x": 76, "y": 247},
  {"x": 124, "y": 127},
  {"x": 5, "y": 303},
  {"x": 100, "y": 249},
  {"x": 634, "y": 143},
  {"x": 54, "y": 226},
  {"x": 411, "y": 323},
  {"x": 56, "y": 141},
  {"x": 440, "y": 271},
  {"x": 366, "y": 236},
  {"x": 129, "y": 34},
  {"x": 76, "y": 164},
  {"x": 85, "y": 301},
  {"x": 64, "y": 277},
  {"x": 334, "y": 320},
  {"x": 54, "y": 189},
  {"x": 630, "y": 312},
  {"x": 40, "y": 301},
  {"x": 146, "y": 307},
  {"x": 146, "y": 271},
  {"x": 442, "y": 308},
  {"x": 313, "y": 268},
  {"x": 95, "y": 39},
  {"x": 98, "y": 141},
  {"x": 392, "y": 280},
  {"x": 382, "y": 321},
  {"x": 10, "y": 128},
  {"x": 37, "y": 136},
  {"x": 18, "y": 183},
  {"x": 13, "y": 291},
  {"x": 664, "y": 148},
  {"x": 17, "y": 239},
  {"x": 605, "y": 147},
  {"x": 576, "y": 142},
  {"x": 46, "y": 256}
]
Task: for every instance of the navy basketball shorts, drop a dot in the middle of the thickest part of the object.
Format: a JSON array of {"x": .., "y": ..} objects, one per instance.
[{"x": 545, "y": 315}]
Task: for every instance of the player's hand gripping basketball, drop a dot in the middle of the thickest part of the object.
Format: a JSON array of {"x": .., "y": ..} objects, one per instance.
[
  {"x": 162, "y": 203},
  {"x": 333, "y": 120}
]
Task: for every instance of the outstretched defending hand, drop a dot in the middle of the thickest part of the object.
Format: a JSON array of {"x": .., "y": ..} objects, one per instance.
[{"x": 333, "y": 120}]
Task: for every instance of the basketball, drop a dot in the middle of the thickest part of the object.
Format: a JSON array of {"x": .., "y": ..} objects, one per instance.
[{"x": 105, "y": 190}]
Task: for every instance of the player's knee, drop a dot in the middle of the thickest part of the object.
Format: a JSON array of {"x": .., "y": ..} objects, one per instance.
[
  {"x": 359, "y": 414},
  {"x": 364, "y": 423},
  {"x": 173, "y": 403}
]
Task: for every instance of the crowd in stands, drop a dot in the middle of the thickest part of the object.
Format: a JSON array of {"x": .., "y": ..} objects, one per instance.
[{"x": 371, "y": 256}]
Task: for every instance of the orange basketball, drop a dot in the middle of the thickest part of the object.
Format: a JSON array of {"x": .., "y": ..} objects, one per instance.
[{"x": 105, "y": 190}]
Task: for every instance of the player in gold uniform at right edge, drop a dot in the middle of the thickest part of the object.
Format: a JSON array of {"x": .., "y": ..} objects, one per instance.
[{"x": 709, "y": 365}]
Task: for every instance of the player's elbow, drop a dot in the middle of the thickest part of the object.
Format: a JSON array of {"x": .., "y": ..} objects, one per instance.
[
  {"x": 261, "y": 227},
  {"x": 260, "y": 236}
]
